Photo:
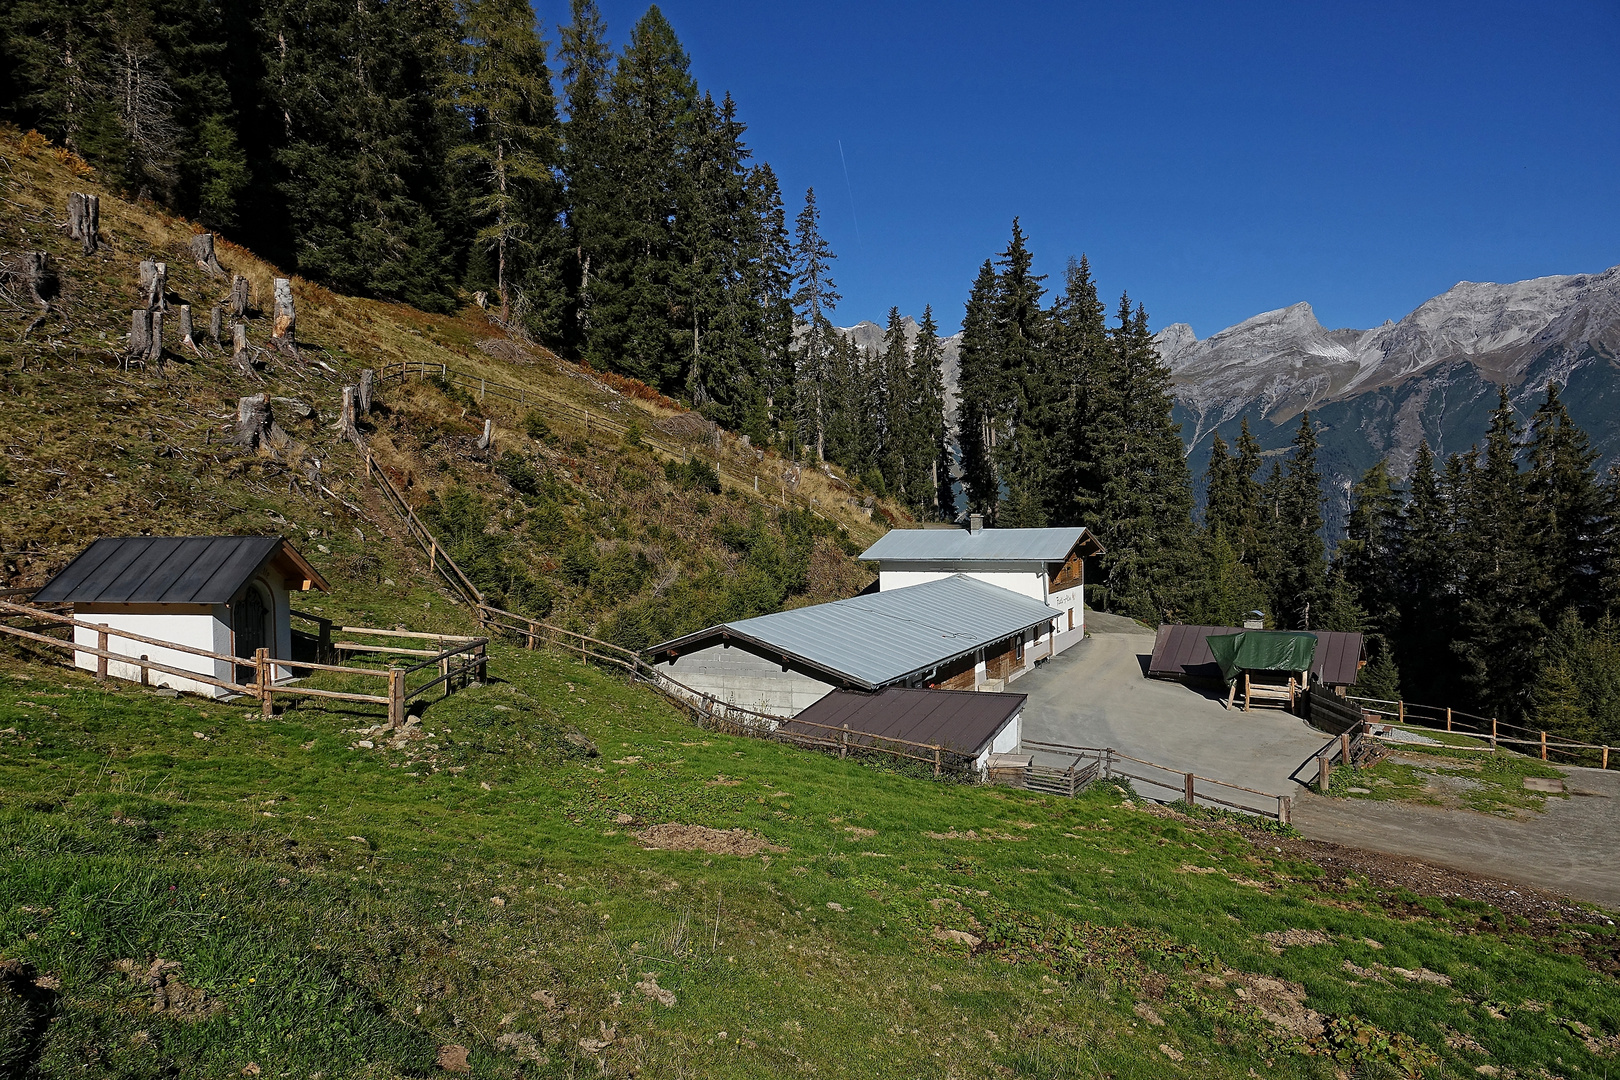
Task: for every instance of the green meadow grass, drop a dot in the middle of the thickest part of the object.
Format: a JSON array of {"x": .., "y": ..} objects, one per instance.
[
  {"x": 1483, "y": 780},
  {"x": 349, "y": 910}
]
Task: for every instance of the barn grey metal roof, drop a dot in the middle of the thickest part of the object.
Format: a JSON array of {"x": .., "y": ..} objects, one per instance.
[
  {"x": 986, "y": 545},
  {"x": 169, "y": 569},
  {"x": 1182, "y": 652},
  {"x": 960, "y": 721},
  {"x": 881, "y": 638}
]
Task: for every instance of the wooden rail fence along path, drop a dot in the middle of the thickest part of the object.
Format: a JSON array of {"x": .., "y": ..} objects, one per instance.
[
  {"x": 1494, "y": 731},
  {"x": 1186, "y": 784},
  {"x": 463, "y": 662}
]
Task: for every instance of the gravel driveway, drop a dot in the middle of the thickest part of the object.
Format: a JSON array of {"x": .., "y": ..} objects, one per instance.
[{"x": 1095, "y": 695}]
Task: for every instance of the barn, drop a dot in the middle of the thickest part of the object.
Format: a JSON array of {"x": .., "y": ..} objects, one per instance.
[
  {"x": 226, "y": 594},
  {"x": 954, "y": 633},
  {"x": 1043, "y": 564}
]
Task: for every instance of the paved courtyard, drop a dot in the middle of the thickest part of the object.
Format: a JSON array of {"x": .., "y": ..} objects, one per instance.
[{"x": 1095, "y": 695}]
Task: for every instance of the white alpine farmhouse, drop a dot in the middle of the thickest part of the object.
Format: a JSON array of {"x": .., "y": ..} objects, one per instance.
[
  {"x": 225, "y": 594},
  {"x": 1047, "y": 565},
  {"x": 952, "y": 633}
]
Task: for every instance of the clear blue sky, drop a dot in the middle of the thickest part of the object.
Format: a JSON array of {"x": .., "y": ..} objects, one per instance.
[{"x": 1215, "y": 159}]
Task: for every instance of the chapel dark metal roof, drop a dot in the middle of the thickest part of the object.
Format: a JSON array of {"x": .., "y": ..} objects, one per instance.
[
  {"x": 960, "y": 720},
  {"x": 1182, "y": 652},
  {"x": 170, "y": 570}
]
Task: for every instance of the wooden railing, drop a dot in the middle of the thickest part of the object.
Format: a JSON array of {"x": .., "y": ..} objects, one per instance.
[
  {"x": 1277, "y": 807},
  {"x": 1443, "y": 718},
  {"x": 464, "y": 662},
  {"x": 1354, "y": 748}
]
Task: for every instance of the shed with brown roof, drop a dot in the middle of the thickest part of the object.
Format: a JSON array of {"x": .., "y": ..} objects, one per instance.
[
  {"x": 1182, "y": 652},
  {"x": 972, "y": 725}
]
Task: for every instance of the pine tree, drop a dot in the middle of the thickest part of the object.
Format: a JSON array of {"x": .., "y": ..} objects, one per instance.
[
  {"x": 587, "y": 157},
  {"x": 1565, "y": 507},
  {"x": 639, "y": 306},
  {"x": 771, "y": 287},
  {"x": 977, "y": 395},
  {"x": 1368, "y": 557},
  {"x": 814, "y": 298},
  {"x": 503, "y": 88},
  {"x": 1426, "y": 579},
  {"x": 931, "y": 461},
  {"x": 1078, "y": 364},
  {"x": 1301, "y": 579},
  {"x": 1500, "y": 631},
  {"x": 894, "y": 404},
  {"x": 1026, "y": 419}
]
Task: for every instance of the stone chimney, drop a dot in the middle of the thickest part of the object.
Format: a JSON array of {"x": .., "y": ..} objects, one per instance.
[{"x": 975, "y": 523}]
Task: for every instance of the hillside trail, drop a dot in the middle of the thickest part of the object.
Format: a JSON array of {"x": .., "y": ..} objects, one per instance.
[{"x": 1096, "y": 695}]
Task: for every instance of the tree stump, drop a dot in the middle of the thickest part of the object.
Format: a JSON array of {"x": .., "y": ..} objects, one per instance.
[
  {"x": 286, "y": 316},
  {"x": 488, "y": 437},
  {"x": 140, "y": 332},
  {"x": 239, "y": 296},
  {"x": 216, "y": 324},
  {"x": 345, "y": 426},
  {"x": 253, "y": 421},
  {"x": 202, "y": 249},
  {"x": 185, "y": 330},
  {"x": 154, "y": 351},
  {"x": 367, "y": 378},
  {"x": 154, "y": 284},
  {"x": 36, "y": 274},
  {"x": 84, "y": 220}
]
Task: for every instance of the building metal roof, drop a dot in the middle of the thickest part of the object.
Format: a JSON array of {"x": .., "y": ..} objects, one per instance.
[
  {"x": 881, "y": 638},
  {"x": 1182, "y": 652},
  {"x": 959, "y": 720},
  {"x": 171, "y": 570},
  {"x": 986, "y": 545}
]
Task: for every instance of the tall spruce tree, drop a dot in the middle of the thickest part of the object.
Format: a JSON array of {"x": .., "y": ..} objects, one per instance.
[
  {"x": 1500, "y": 631},
  {"x": 588, "y": 165},
  {"x": 503, "y": 89},
  {"x": 979, "y": 391},
  {"x": 771, "y": 287},
  {"x": 1564, "y": 501},
  {"x": 894, "y": 403},
  {"x": 931, "y": 476},
  {"x": 1078, "y": 362},
  {"x": 814, "y": 299},
  {"x": 1301, "y": 571},
  {"x": 1026, "y": 419},
  {"x": 1368, "y": 557}
]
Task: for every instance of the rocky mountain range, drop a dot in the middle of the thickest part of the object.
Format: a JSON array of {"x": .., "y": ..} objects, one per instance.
[
  {"x": 1433, "y": 375},
  {"x": 1378, "y": 393}
]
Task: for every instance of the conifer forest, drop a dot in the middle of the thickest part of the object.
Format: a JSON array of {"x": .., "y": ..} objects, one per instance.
[{"x": 603, "y": 204}]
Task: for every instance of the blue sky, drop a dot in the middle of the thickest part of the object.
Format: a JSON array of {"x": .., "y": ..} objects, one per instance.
[{"x": 1215, "y": 159}]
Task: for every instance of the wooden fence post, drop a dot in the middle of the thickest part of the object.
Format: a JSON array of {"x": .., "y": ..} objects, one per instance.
[
  {"x": 1324, "y": 773},
  {"x": 936, "y": 759},
  {"x": 1285, "y": 810},
  {"x": 145, "y": 674},
  {"x": 433, "y": 556},
  {"x": 1605, "y": 757},
  {"x": 1493, "y": 733},
  {"x": 101, "y": 661},
  {"x": 261, "y": 672},
  {"x": 1344, "y": 749},
  {"x": 1246, "y": 696},
  {"x": 1400, "y": 710},
  {"x": 396, "y": 697},
  {"x": 1543, "y": 746},
  {"x": 1448, "y": 717},
  {"x": 1187, "y": 790},
  {"x": 843, "y": 748}
]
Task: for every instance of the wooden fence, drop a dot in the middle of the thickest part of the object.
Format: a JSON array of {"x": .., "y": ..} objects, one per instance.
[
  {"x": 1353, "y": 747},
  {"x": 462, "y": 662},
  {"x": 1442, "y": 718},
  {"x": 1184, "y": 783}
]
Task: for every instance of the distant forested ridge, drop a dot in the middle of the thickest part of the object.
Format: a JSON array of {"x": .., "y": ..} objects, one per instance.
[{"x": 427, "y": 151}]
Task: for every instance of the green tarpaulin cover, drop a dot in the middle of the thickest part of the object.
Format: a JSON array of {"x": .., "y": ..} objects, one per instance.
[{"x": 1261, "y": 650}]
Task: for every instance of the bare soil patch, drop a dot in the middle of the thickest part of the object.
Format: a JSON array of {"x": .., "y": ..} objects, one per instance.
[{"x": 674, "y": 837}]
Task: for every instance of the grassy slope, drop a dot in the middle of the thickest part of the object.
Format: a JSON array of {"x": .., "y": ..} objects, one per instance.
[
  {"x": 86, "y": 444},
  {"x": 337, "y": 901}
]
